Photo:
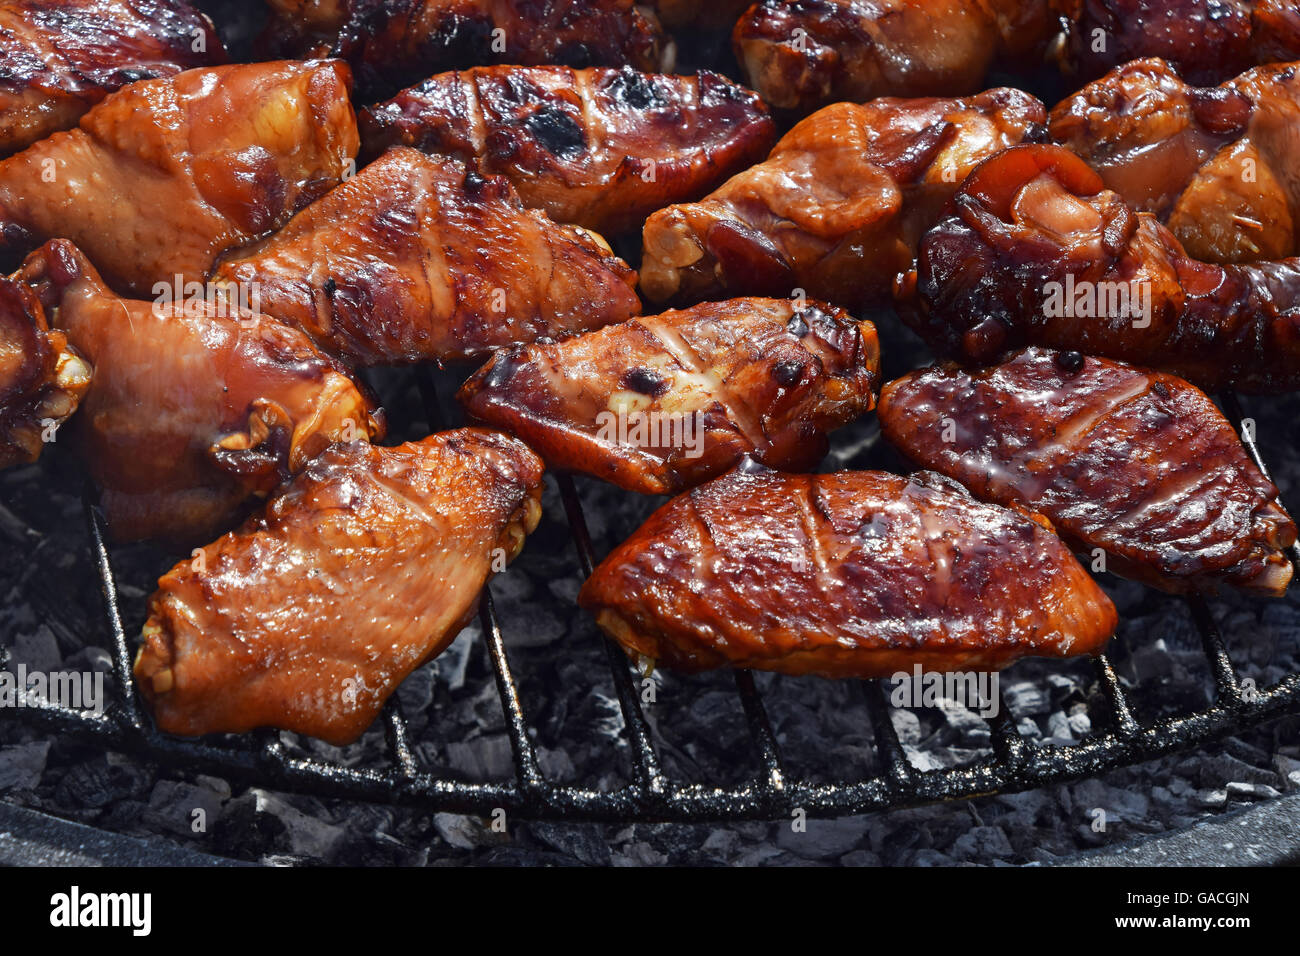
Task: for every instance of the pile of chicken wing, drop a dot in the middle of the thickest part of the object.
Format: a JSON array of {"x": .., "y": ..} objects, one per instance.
[{"x": 205, "y": 248}]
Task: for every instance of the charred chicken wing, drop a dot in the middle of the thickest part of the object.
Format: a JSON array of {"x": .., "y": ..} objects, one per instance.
[
  {"x": 196, "y": 406},
  {"x": 661, "y": 403},
  {"x": 58, "y": 58},
  {"x": 165, "y": 174},
  {"x": 802, "y": 54},
  {"x": 601, "y": 148},
  {"x": 1206, "y": 40},
  {"x": 391, "y": 43},
  {"x": 1138, "y": 464},
  {"x": 416, "y": 258},
  {"x": 852, "y": 574},
  {"x": 363, "y": 568},
  {"x": 1218, "y": 165},
  {"x": 42, "y": 378},
  {"x": 1038, "y": 252},
  {"x": 838, "y": 207}
]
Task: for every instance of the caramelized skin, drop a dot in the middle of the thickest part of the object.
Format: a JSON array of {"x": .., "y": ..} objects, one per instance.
[
  {"x": 602, "y": 148},
  {"x": 1037, "y": 251},
  {"x": 58, "y": 58},
  {"x": 165, "y": 174},
  {"x": 714, "y": 15},
  {"x": 195, "y": 407},
  {"x": 839, "y": 205},
  {"x": 802, "y": 54},
  {"x": 416, "y": 259},
  {"x": 42, "y": 378},
  {"x": 1218, "y": 164},
  {"x": 696, "y": 390},
  {"x": 1137, "y": 463},
  {"x": 1206, "y": 40},
  {"x": 390, "y": 43},
  {"x": 852, "y": 574},
  {"x": 367, "y": 565}
]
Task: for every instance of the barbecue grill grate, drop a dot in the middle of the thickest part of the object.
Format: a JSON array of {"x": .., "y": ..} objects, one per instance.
[{"x": 1014, "y": 764}]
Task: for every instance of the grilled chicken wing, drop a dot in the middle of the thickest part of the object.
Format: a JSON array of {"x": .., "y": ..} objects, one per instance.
[
  {"x": 58, "y": 58},
  {"x": 196, "y": 406},
  {"x": 1218, "y": 165},
  {"x": 601, "y": 148},
  {"x": 802, "y": 54},
  {"x": 1136, "y": 463},
  {"x": 716, "y": 14},
  {"x": 391, "y": 43},
  {"x": 42, "y": 378},
  {"x": 364, "y": 567},
  {"x": 1206, "y": 40},
  {"x": 1038, "y": 252},
  {"x": 839, "y": 205},
  {"x": 416, "y": 259},
  {"x": 853, "y": 574},
  {"x": 661, "y": 403},
  {"x": 165, "y": 174}
]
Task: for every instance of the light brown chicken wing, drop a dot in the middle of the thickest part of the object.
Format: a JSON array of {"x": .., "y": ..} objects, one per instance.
[
  {"x": 367, "y": 565},
  {"x": 803, "y": 54},
  {"x": 416, "y": 259},
  {"x": 165, "y": 174},
  {"x": 852, "y": 574},
  {"x": 1138, "y": 464},
  {"x": 838, "y": 207},
  {"x": 197, "y": 407},
  {"x": 601, "y": 148},
  {"x": 661, "y": 403},
  {"x": 58, "y": 58}
]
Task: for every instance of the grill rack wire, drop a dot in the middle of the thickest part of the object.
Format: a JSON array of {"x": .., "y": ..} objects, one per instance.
[{"x": 1014, "y": 764}]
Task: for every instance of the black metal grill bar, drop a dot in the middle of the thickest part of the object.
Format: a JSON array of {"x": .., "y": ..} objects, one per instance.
[{"x": 1015, "y": 763}]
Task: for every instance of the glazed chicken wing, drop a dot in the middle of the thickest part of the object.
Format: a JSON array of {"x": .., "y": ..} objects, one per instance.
[
  {"x": 661, "y": 403},
  {"x": 1206, "y": 40},
  {"x": 42, "y": 378},
  {"x": 1136, "y": 463},
  {"x": 367, "y": 565},
  {"x": 601, "y": 148},
  {"x": 415, "y": 258},
  {"x": 1038, "y": 252},
  {"x": 165, "y": 174},
  {"x": 852, "y": 574},
  {"x": 58, "y": 58},
  {"x": 391, "y": 43},
  {"x": 839, "y": 205},
  {"x": 802, "y": 54},
  {"x": 196, "y": 406},
  {"x": 1219, "y": 165}
]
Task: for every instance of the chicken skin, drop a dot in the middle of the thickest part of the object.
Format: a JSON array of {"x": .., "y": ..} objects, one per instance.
[
  {"x": 852, "y": 574},
  {"x": 164, "y": 175},
  {"x": 42, "y": 378},
  {"x": 367, "y": 565},
  {"x": 391, "y": 43},
  {"x": 417, "y": 259},
  {"x": 803, "y": 54},
  {"x": 61, "y": 57},
  {"x": 197, "y": 407},
  {"x": 1037, "y": 251},
  {"x": 1206, "y": 40},
  {"x": 1136, "y": 463},
  {"x": 664, "y": 402},
  {"x": 601, "y": 148},
  {"x": 838, "y": 207},
  {"x": 1218, "y": 165}
]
